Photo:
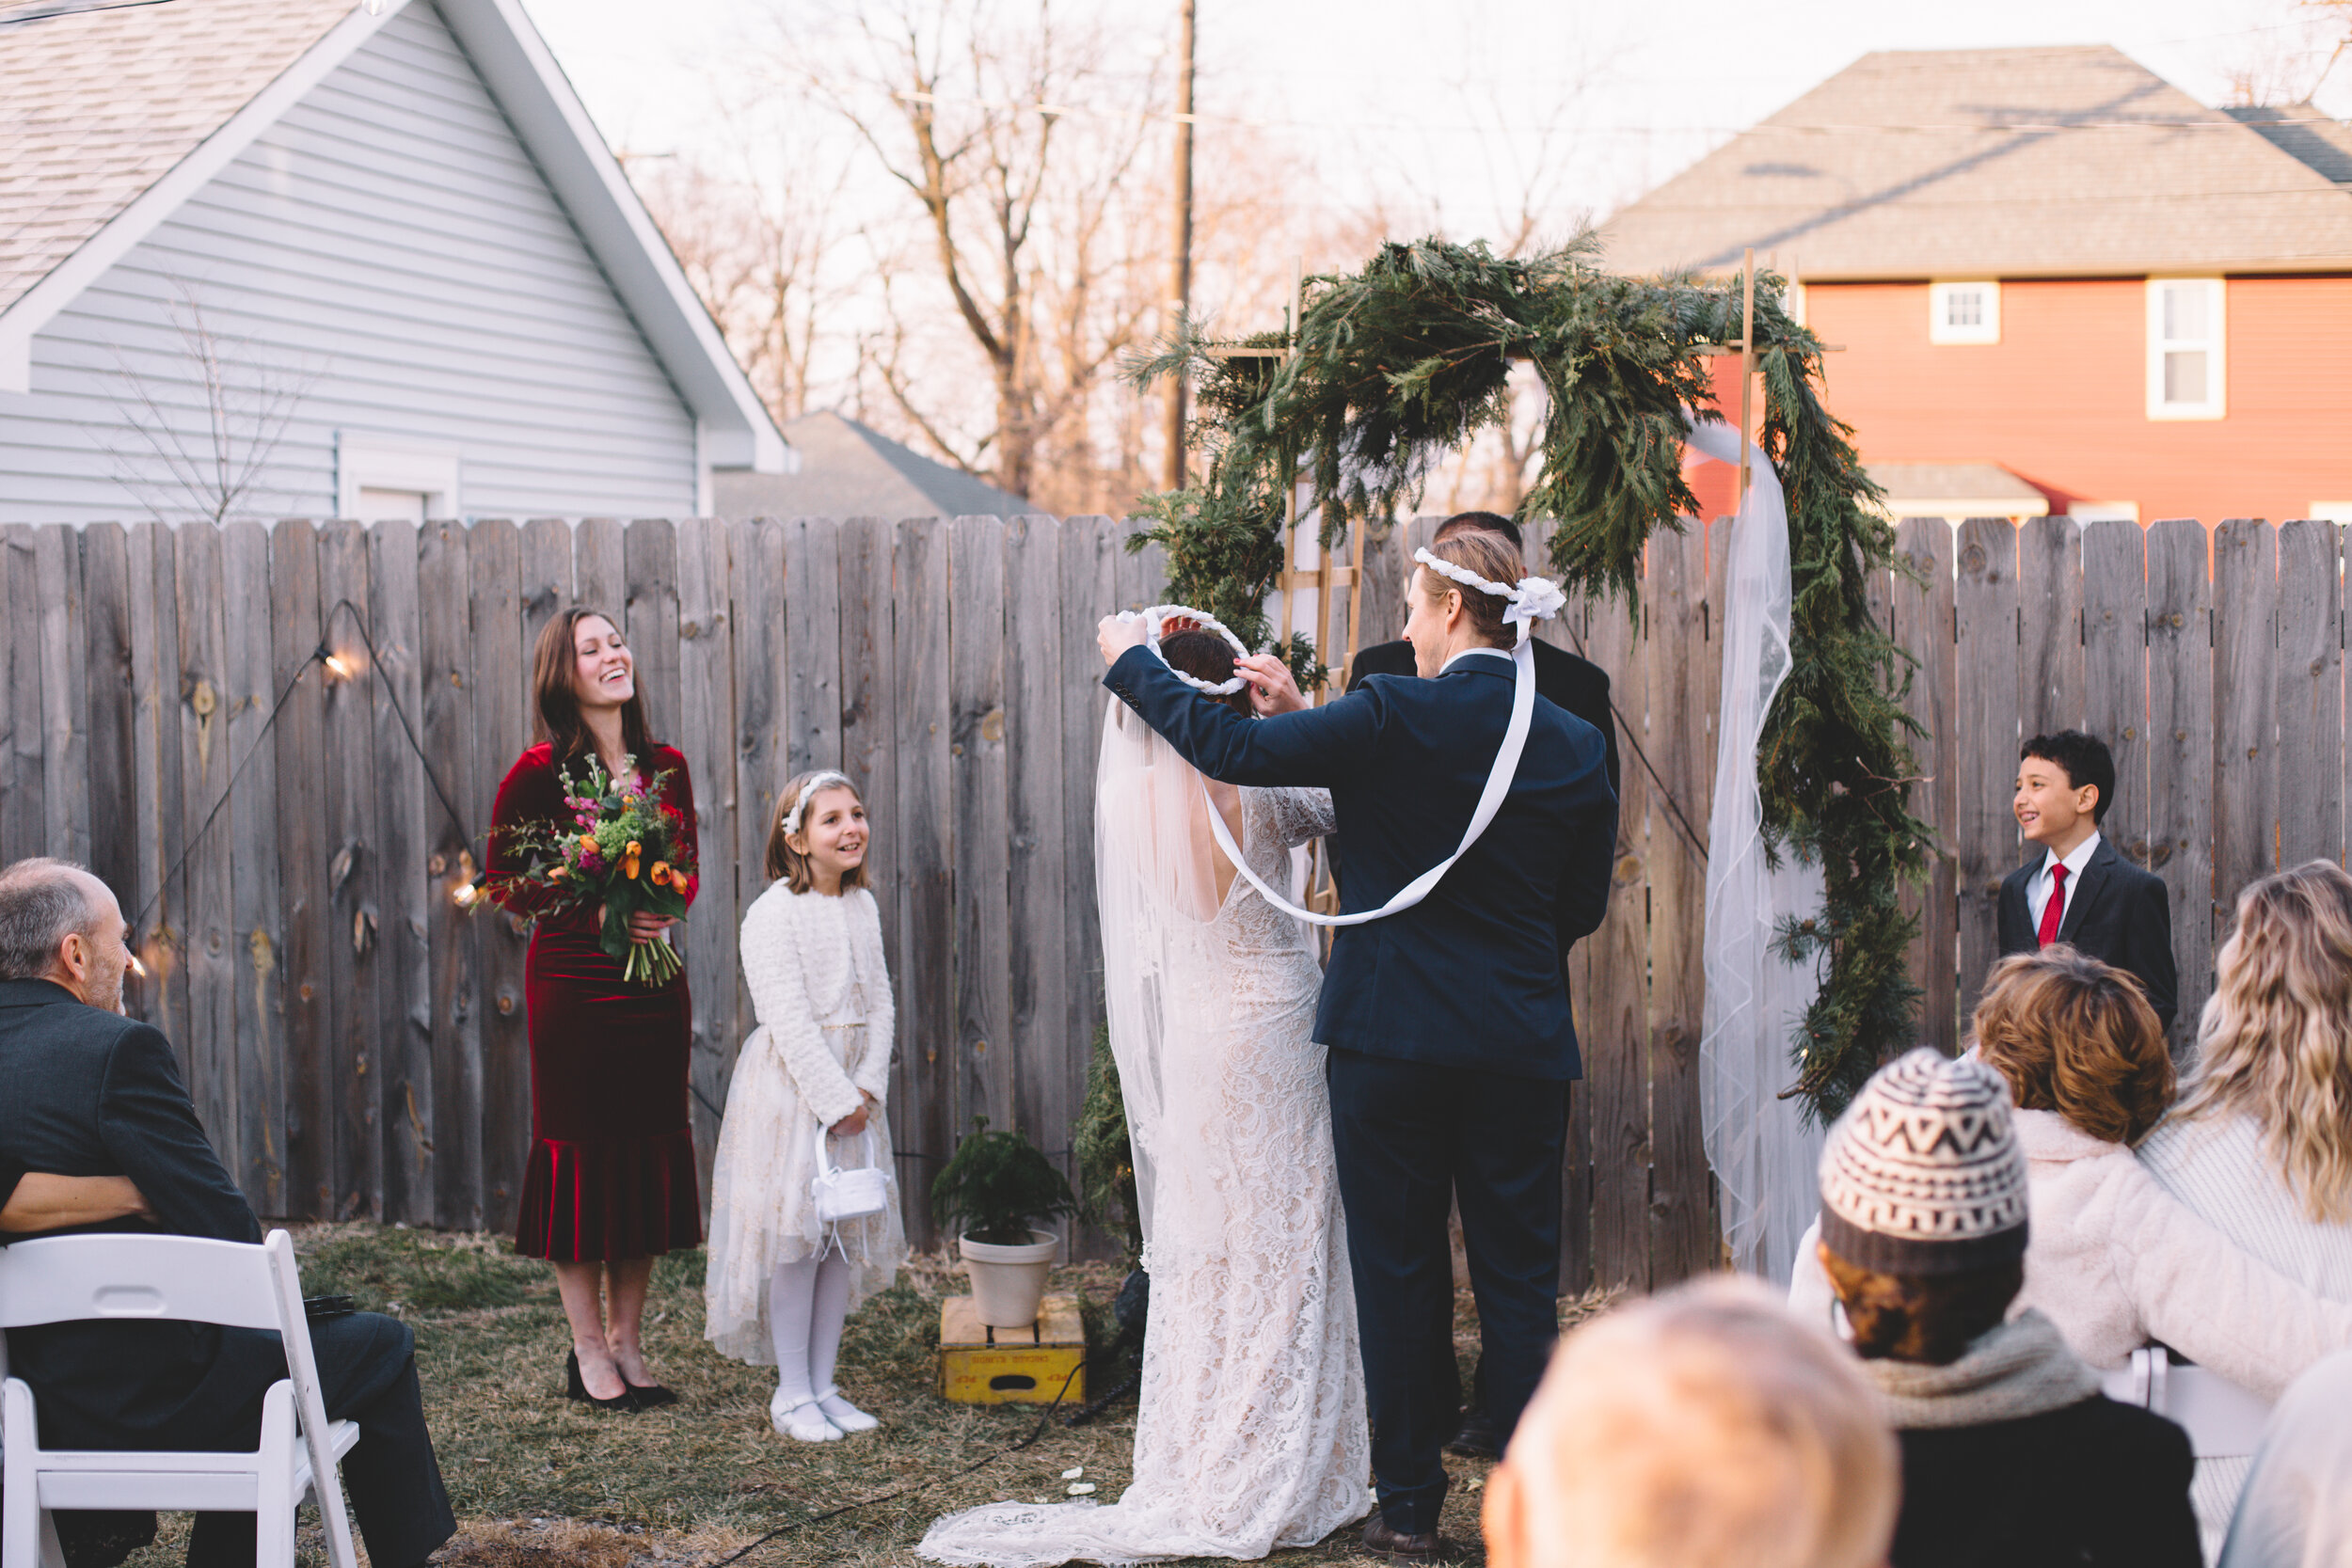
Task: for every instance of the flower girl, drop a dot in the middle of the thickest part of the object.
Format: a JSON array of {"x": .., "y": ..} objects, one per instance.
[{"x": 807, "y": 1097}]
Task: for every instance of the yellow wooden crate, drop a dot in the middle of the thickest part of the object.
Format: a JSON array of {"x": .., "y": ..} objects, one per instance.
[{"x": 978, "y": 1365}]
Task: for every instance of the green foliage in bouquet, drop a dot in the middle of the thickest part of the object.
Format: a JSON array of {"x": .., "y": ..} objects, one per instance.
[
  {"x": 995, "y": 1185},
  {"x": 1106, "y": 1161},
  {"x": 624, "y": 850},
  {"x": 1399, "y": 364}
]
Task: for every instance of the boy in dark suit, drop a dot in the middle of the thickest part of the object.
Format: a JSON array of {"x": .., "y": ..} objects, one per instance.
[{"x": 2077, "y": 890}]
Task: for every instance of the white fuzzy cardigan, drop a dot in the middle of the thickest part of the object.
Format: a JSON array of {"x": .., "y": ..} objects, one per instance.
[
  {"x": 2115, "y": 1262},
  {"x": 790, "y": 936}
]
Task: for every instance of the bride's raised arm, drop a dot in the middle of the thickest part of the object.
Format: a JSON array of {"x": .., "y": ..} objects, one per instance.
[{"x": 1303, "y": 816}]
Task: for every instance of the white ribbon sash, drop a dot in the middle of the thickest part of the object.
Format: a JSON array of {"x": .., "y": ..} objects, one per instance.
[{"x": 1506, "y": 767}]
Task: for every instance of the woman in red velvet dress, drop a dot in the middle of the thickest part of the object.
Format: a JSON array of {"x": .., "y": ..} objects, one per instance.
[{"x": 610, "y": 1178}]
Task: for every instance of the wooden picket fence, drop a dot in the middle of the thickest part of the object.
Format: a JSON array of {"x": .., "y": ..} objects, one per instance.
[
  {"x": 355, "y": 1042},
  {"x": 2210, "y": 661}
]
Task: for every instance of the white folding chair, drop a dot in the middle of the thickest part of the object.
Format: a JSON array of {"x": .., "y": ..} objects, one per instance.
[
  {"x": 129, "y": 1277},
  {"x": 2222, "y": 1419}
]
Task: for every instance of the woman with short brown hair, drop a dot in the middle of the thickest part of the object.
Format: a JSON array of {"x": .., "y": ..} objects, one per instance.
[{"x": 610, "y": 1183}]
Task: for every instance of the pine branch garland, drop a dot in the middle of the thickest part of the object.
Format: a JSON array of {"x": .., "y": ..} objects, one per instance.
[{"x": 1401, "y": 363}]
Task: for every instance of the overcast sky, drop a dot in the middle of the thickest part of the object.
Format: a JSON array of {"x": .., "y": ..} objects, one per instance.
[{"x": 1389, "y": 102}]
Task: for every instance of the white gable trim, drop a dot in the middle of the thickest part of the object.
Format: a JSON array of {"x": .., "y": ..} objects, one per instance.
[
  {"x": 532, "y": 91},
  {"x": 538, "y": 100},
  {"x": 39, "y": 304}
]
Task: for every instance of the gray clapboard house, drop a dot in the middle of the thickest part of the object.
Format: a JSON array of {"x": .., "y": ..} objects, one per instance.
[{"x": 287, "y": 258}]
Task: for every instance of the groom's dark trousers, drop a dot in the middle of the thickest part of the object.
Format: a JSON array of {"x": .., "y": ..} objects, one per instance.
[
  {"x": 91, "y": 1093},
  {"x": 1450, "y": 1046}
]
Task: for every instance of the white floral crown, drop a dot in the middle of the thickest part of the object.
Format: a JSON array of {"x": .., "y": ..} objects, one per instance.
[
  {"x": 1159, "y": 613},
  {"x": 1531, "y": 598},
  {"x": 816, "y": 782}
]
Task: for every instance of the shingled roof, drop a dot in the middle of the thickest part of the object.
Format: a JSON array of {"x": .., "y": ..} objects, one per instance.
[
  {"x": 847, "y": 469},
  {"x": 94, "y": 108},
  {"x": 2004, "y": 162}
]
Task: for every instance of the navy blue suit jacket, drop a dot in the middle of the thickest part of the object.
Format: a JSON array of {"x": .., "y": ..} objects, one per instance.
[{"x": 1468, "y": 977}]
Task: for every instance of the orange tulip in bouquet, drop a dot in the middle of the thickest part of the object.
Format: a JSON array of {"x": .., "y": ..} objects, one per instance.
[{"x": 624, "y": 850}]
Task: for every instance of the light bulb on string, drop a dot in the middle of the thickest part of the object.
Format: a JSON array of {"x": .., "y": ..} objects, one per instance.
[
  {"x": 137, "y": 968},
  {"x": 338, "y": 668}
]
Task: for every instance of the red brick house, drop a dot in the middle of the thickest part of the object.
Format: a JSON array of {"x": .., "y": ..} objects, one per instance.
[{"x": 2056, "y": 282}]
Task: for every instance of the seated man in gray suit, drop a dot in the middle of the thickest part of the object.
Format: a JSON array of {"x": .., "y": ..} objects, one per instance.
[{"x": 91, "y": 1093}]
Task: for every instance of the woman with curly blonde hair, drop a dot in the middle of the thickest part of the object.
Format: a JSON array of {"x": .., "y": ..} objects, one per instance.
[{"x": 2261, "y": 1144}]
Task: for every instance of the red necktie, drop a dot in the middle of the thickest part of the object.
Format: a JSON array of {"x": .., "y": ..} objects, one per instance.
[{"x": 2055, "y": 911}]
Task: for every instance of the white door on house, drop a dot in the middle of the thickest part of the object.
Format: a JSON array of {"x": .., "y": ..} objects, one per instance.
[{"x": 377, "y": 506}]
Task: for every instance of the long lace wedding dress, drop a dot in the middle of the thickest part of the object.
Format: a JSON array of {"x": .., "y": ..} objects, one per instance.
[{"x": 1251, "y": 1434}]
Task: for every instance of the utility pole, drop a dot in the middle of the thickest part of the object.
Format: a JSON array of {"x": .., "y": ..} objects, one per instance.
[{"x": 1179, "y": 282}]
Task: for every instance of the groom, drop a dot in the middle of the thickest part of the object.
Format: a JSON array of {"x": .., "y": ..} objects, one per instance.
[{"x": 1447, "y": 1024}]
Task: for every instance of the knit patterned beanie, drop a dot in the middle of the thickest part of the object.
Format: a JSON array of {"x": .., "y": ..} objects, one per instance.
[{"x": 1923, "y": 1174}]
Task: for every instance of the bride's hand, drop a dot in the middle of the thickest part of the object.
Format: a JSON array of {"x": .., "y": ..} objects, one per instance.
[
  {"x": 1115, "y": 637},
  {"x": 1272, "y": 688}
]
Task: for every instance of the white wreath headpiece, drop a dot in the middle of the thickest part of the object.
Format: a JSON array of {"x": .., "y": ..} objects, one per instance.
[
  {"x": 1531, "y": 598},
  {"x": 1159, "y": 613},
  {"x": 821, "y": 781}
]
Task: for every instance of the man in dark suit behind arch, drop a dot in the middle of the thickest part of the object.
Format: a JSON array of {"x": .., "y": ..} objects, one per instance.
[{"x": 1575, "y": 684}]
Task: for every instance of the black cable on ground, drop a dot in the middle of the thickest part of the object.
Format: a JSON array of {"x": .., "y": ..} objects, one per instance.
[{"x": 1035, "y": 1433}]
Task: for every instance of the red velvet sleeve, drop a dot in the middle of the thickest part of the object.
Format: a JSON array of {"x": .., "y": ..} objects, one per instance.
[
  {"x": 530, "y": 793},
  {"x": 678, "y": 794}
]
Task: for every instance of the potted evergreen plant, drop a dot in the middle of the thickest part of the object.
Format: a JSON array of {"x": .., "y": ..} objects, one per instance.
[{"x": 989, "y": 1193}]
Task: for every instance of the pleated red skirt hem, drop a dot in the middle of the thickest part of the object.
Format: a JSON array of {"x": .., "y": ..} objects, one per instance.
[{"x": 593, "y": 1202}]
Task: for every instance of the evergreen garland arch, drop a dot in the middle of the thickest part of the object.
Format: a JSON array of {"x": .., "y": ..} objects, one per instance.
[{"x": 1399, "y": 364}]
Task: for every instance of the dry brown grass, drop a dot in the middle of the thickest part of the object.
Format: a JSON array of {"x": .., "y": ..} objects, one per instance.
[{"x": 539, "y": 1483}]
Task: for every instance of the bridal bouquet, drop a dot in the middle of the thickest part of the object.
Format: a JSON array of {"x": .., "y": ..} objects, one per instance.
[{"x": 623, "y": 850}]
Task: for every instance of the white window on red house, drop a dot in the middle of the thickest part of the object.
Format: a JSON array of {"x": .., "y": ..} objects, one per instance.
[
  {"x": 1965, "y": 312},
  {"x": 2187, "y": 354}
]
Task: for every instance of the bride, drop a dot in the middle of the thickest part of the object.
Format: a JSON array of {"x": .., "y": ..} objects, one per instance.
[{"x": 1252, "y": 1433}]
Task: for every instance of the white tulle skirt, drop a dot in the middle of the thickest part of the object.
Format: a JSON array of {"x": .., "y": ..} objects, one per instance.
[{"x": 762, "y": 1212}]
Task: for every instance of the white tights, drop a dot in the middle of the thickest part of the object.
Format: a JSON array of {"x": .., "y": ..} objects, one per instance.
[{"x": 807, "y": 1302}]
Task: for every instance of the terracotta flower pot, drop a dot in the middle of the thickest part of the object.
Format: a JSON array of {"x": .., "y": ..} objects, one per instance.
[{"x": 1009, "y": 1279}]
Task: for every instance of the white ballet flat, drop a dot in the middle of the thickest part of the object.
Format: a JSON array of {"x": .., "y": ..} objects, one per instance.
[
  {"x": 844, "y": 1415},
  {"x": 803, "y": 1422}
]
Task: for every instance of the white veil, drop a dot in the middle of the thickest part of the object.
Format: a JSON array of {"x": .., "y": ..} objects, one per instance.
[
  {"x": 1763, "y": 1153},
  {"x": 1155, "y": 884}
]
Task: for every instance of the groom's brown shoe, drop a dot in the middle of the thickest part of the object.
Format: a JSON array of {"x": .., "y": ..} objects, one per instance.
[{"x": 1391, "y": 1545}]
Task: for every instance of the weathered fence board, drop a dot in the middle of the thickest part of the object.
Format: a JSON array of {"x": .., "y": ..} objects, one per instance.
[
  {"x": 521, "y": 579},
  {"x": 445, "y": 724},
  {"x": 1984, "y": 837},
  {"x": 1616, "y": 1043},
  {"x": 2049, "y": 625},
  {"x": 2310, "y": 692},
  {"x": 1047, "y": 1056},
  {"x": 1685, "y": 671},
  {"x": 2244, "y": 715},
  {"x": 302, "y": 857},
  {"x": 408, "y": 800},
  {"x": 2115, "y": 664},
  {"x": 2181, "y": 798},
  {"x": 196, "y": 725},
  {"x": 981, "y": 958},
  {"x": 704, "y": 724},
  {"x": 1921, "y": 605},
  {"x": 257, "y": 929}
]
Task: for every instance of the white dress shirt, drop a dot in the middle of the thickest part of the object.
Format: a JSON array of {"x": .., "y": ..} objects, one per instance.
[
  {"x": 1466, "y": 652},
  {"x": 2038, "y": 885}
]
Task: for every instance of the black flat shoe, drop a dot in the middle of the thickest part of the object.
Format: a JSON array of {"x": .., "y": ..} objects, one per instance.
[
  {"x": 649, "y": 1395},
  {"x": 578, "y": 1388}
]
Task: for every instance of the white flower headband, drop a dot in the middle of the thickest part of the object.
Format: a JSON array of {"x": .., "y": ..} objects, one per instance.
[
  {"x": 1153, "y": 617},
  {"x": 817, "y": 782},
  {"x": 1532, "y": 598}
]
